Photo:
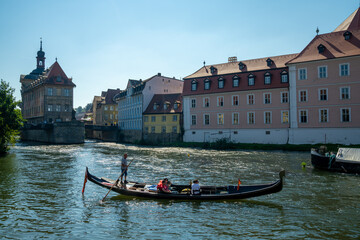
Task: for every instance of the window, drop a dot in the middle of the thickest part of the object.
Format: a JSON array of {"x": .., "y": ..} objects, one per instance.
[
  {"x": 344, "y": 69},
  {"x": 221, "y": 82},
  {"x": 206, "y": 119},
  {"x": 206, "y": 102},
  {"x": 284, "y": 116},
  {"x": 323, "y": 115},
  {"x": 155, "y": 106},
  {"x": 251, "y": 118},
  {"x": 58, "y": 78},
  {"x": 163, "y": 118},
  {"x": 174, "y": 118},
  {"x": 174, "y": 129},
  {"x": 213, "y": 69},
  {"x": 163, "y": 129},
  {"x": 345, "y": 93},
  {"x": 220, "y": 101},
  {"x": 50, "y": 108},
  {"x": 323, "y": 94},
  {"x": 111, "y": 108},
  {"x": 235, "y": 118},
  {"x": 66, "y": 108},
  {"x": 235, "y": 100},
  {"x": 267, "y": 78},
  {"x": 66, "y": 92},
  {"x": 50, "y": 91},
  {"x": 284, "y": 77},
  {"x": 207, "y": 84},
  {"x": 267, "y": 98},
  {"x": 302, "y": 74},
  {"x": 236, "y": 81},
  {"x": 284, "y": 97},
  {"x": 303, "y": 115},
  {"x": 303, "y": 95},
  {"x": 153, "y": 118},
  {"x": 165, "y": 106},
  {"x": 111, "y": 116},
  {"x": 241, "y": 66},
  {"x": 251, "y": 80},
  {"x": 194, "y": 85},
  {"x": 322, "y": 72},
  {"x": 58, "y": 108},
  {"x": 250, "y": 99},
  {"x": 152, "y": 129},
  {"x": 267, "y": 117},
  {"x": 193, "y": 103},
  {"x": 193, "y": 119},
  {"x": 106, "y": 108},
  {"x": 220, "y": 118},
  {"x": 345, "y": 115},
  {"x": 146, "y": 118},
  {"x": 146, "y": 129}
]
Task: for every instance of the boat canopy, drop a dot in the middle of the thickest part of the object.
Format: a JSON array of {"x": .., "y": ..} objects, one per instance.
[{"x": 348, "y": 155}]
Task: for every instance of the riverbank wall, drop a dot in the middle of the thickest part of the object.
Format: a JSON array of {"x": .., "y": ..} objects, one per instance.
[{"x": 55, "y": 133}]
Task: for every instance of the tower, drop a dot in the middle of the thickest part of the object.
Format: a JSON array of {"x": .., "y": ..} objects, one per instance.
[{"x": 40, "y": 59}]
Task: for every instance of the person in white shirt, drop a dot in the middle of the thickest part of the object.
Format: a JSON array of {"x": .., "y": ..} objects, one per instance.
[{"x": 195, "y": 187}]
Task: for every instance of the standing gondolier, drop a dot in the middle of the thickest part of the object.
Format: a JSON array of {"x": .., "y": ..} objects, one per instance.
[{"x": 124, "y": 167}]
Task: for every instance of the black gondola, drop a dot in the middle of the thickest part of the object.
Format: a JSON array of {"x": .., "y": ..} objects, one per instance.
[
  {"x": 180, "y": 191},
  {"x": 334, "y": 163}
]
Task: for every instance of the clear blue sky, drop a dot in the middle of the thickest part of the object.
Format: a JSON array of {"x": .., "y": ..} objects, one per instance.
[{"x": 102, "y": 44}]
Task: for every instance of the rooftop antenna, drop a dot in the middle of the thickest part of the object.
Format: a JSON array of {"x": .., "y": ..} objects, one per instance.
[{"x": 317, "y": 31}]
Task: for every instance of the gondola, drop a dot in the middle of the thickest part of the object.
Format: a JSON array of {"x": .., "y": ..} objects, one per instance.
[
  {"x": 347, "y": 160},
  {"x": 181, "y": 192}
]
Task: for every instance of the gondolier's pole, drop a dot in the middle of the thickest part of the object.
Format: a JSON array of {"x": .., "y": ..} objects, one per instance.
[
  {"x": 117, "y": 179},
  {"x": 85, "y": 180}
]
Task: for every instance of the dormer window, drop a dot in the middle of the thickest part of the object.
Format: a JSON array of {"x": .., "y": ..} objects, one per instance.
[
  {"x": 251, "y": 79},
  {"x": 194, "y": 84},
  {"x": 242, "y": 66},
  {"x": 284, "y": 77},
  {"x": 236, "y": 80},
  {"x": 321, "y": 48},
  {"x": 155, "y": 106},
  {"x": 347, "y": 35},
  {"x": 267, "y": 78},
  {"x": 221, "y": 82},
  {"x": 176, "y": 105},
  {"x": 213, "y": 70},
  {"x": 207, "y": 84},
  {"x": 269, "y": 62},
  {"x": 58, "y": 78},
  {"x": 166, "y": 105}
]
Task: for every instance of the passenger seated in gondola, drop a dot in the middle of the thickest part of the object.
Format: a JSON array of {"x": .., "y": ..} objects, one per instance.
[
  {"x": 195, "y": 187},
  {"x": 163, "y": 186}
]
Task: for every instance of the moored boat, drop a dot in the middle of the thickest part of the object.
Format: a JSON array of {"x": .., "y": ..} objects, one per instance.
[
  {"x": 182, "y": 192},
  {"x": 346, "y": 160}
]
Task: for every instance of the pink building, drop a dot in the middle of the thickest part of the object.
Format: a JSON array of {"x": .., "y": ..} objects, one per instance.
[
  {"x": 324, "y": 82},
  {"x": 246, "y": 101}
]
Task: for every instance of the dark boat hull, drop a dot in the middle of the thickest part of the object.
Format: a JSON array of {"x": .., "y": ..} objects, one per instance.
[
  {"x": 233, "y": 193},
  {"x": 323, "y": 162}
]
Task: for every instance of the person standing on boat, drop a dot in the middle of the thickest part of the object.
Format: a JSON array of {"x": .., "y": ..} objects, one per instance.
[
  {"x": 195, "y": 187},
  {"x": 124, "y": 167}
]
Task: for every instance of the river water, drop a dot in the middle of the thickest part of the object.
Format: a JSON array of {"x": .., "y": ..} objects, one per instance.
[{"x": 40, "y": 188}]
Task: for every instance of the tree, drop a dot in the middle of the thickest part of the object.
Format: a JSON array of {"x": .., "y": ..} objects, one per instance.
[
  {"x": 88, "y": 107},
  {"x": 79, "y": 109},
  {"x": 10, "y": 117}
]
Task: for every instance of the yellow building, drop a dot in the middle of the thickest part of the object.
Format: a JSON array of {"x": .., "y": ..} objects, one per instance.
[{"x": 163, "y": 119}]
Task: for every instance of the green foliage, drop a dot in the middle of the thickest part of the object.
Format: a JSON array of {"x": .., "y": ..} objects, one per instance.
[{"x": 10, "y": 117}]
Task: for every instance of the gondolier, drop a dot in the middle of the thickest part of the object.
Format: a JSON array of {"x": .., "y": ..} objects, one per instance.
[{"x": 124, "y": 168}]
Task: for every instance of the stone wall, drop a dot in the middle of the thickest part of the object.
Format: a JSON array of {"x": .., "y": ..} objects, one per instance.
[
  {"x": 104, "y": 133},
  {"x": 57, "y": 133},
  {"x": 161, "y": 138}
]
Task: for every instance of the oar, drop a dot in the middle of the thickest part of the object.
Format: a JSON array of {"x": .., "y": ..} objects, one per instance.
[{"x": 117, "y": 180}]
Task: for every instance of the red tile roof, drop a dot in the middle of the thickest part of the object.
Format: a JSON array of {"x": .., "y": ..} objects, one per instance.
[
  {"x": 109, "y": 96},
  {"x": 351, "y": 23},
  {"x": 250, "y": 65},
  {"x": 335, "y": 47},
  {"x": 53, "y": 72},
  {"x": 160, "y": 99}
]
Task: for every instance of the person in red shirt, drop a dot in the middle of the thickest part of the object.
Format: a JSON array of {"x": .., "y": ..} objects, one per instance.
[{"x": 163, "y": 186}]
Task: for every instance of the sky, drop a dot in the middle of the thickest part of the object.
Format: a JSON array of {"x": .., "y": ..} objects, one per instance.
[{"x": 103, "y": 44}]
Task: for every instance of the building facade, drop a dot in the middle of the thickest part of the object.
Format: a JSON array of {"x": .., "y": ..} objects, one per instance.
[
  {"x": 163, "y": 119},
  {"x": 135, "y": 99},
  {"x": 47, "y": 94},
  {"x": 324, "y": 82},
  {"x": 241, "y": 101}
]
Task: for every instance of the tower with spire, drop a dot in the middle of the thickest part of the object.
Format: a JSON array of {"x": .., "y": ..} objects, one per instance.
[{"x": 40, "y": 59}]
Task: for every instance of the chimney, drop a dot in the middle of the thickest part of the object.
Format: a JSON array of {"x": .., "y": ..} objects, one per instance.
[
  {"x": 232, "y": 59},
  {"x": 159, "y": 74}
]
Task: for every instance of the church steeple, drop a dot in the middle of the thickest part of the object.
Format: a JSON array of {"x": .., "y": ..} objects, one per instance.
[{"x": 40, "y": 59}]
